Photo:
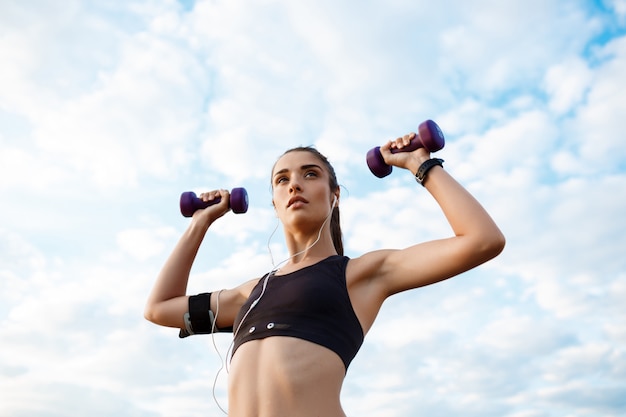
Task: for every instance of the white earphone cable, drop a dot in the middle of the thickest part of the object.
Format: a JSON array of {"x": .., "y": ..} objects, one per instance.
[
  {"x": 219, "y": 371},
  {"x": 224, "y": 361}
]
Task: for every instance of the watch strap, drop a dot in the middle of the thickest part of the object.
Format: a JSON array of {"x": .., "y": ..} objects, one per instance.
[{"x": 420, "y": 175}]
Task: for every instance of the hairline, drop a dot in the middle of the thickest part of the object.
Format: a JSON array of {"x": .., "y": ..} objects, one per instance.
[{"x": 326, "y": 165}]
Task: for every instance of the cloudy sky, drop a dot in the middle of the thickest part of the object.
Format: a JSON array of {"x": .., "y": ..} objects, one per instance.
[{"x": 110, "y": 109}]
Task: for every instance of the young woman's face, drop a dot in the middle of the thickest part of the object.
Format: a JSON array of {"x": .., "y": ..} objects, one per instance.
[{"x": 301, "y": 189}]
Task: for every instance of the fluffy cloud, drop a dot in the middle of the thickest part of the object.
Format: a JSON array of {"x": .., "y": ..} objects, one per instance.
[{"x": 108, "y": 112}]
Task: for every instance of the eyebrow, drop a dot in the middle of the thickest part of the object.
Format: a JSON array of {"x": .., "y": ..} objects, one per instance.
[{"x": 302, "y": 168}]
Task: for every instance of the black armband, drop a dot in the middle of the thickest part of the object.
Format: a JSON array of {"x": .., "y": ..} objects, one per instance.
[{"x": 200, "y": 319}]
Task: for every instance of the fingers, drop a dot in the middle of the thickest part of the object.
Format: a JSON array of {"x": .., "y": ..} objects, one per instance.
[
  {"x": 403, "y": 141},
  {"x": 214, "y": 195},
  {"x": 393, "y": 154},
  {"x": 398, "y": 143},
  {"x": 218, "y": 205}
]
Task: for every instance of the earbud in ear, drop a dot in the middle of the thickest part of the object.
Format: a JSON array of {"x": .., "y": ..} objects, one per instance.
[{"x": 335, "y": 201}]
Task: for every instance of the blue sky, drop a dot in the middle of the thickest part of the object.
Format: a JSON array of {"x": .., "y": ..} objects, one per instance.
[{"x": 109, "y": 110}]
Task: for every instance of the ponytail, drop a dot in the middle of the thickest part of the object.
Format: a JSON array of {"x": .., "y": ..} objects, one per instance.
[{"x": 335, "y": 231}]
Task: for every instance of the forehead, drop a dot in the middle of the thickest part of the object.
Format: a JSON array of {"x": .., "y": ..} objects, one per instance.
[{"x": 295, "y": 160}]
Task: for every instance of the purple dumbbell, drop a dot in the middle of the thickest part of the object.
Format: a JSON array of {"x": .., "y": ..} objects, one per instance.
[
  {"x": 189, "y": 202},
  {"x": 429, "y": 137}
]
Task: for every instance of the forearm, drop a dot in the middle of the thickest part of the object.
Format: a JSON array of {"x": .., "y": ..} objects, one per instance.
[
  {"x": 465, "y": 214},
  {"x": 171, "y": 282},
  {"x": 476, "y": 238},
  {"x": 168, "y": 301}
]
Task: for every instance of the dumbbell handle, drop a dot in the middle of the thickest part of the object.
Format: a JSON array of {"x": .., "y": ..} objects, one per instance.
[
  {"x": 429, "y": 137},
  {"x": 189, "y": 202}
]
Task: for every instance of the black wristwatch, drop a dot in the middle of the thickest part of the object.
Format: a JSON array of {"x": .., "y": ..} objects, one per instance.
[{"x": 420, "y": 175}]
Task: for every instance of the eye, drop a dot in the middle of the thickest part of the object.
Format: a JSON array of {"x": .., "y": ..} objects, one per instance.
[
  {"x": 310, "y": 174},
  {"x": 280, "y": 180}
]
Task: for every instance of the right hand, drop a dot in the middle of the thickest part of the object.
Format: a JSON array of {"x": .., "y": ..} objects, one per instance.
[{"x": 215, "y": 211}]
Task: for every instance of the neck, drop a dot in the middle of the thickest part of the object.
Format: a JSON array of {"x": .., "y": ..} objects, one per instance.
[{"x": 309, "y": 248}]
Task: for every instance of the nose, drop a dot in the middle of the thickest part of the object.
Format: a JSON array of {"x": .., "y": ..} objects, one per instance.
[{"x": 294, "y": 186}]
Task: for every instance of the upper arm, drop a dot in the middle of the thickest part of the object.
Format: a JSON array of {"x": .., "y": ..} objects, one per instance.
[
  {"x": 394, "y": 271},
  {"x": 224, "y": 303}
]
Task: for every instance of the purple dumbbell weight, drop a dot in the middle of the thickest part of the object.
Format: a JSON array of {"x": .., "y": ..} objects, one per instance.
[
  {"x": 189, "y": 202},
  {"x": 429, "y": 137}
]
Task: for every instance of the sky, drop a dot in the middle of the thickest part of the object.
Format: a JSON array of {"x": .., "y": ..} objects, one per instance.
[{"x": 110, "y": 109}]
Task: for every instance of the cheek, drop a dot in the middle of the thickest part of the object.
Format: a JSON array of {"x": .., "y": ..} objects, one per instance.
[
  {"x": 278, "y": 198},
  {"x": 322, "y": 194}
]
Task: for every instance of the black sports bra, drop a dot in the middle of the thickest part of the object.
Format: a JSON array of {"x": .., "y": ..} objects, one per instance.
[{"x": 311, "y": 304}]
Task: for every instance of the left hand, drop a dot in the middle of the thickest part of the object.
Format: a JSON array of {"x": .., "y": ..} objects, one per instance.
[{"x": 407, "y": 160}]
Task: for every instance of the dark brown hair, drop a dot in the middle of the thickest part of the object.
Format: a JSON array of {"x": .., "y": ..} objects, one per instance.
[{"x": 335, "y": 226}]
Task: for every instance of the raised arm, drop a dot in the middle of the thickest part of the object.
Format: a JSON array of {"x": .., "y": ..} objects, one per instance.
[
  {"x": 168, "y": 302},
  {"x": 476, "y": 239}
]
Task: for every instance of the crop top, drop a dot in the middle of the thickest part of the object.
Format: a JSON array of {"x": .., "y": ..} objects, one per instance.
[{"x": 311, "y": 304}]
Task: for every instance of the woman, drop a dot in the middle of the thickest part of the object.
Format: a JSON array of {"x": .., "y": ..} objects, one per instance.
[{"x": 297, "y": 329}]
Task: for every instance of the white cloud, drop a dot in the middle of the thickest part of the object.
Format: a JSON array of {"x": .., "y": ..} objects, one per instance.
[
  {"x": 619, "y": 6},
  {"x": 136, "y": 106},
  {"x": 597, "y": 130},
  {"x": 105, "y": 109},
  {"x": 567, "y": 84},
  {"x": 143, "y": 244},
  {"x": 486, "y": 51}
]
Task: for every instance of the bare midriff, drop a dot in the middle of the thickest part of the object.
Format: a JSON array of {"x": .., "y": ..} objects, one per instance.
[{"x": 285, "y": 377}]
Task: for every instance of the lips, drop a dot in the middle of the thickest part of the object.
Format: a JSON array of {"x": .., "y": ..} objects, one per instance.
[{"x": 296, "y": 199}]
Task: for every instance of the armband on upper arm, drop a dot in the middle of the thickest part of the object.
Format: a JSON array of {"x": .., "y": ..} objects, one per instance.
[{"x": 199, "y": 318}]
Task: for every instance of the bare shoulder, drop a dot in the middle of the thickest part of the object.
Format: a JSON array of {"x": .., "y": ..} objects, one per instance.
[
  {"x": 367, "y": 267},
  {"x": 369, "y": 273}
]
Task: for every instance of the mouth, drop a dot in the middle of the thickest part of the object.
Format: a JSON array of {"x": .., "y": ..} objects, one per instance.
[{"x": 296, "y": 200}]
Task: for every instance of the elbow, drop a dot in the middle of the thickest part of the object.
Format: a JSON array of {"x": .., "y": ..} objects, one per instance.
[
  {"x": 478, "y": 248},
  {"x": 163, "y": 314},
  {"x": 148, "y": 314},
  {"x": 168, "y": 313},
  {"x": 493, "y": 244},
  {"x": 151, "y": 313}
]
